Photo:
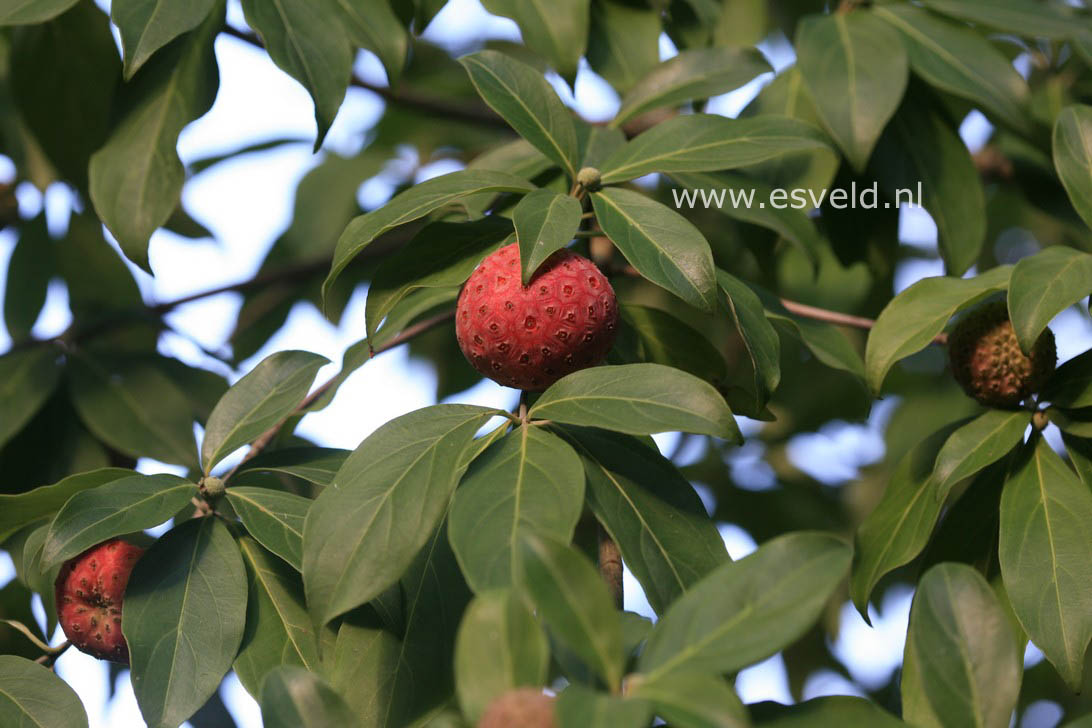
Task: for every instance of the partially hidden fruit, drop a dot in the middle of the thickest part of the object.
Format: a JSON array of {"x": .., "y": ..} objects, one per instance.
[
  {"x": 528, "y": 337},
  {"x": 89, "y": 590},
  {"x": 520, "y": 708},
  {"x": 988, "y": 363}
]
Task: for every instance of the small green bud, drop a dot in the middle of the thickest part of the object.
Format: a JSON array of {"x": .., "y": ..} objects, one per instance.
[
  {"x": 589, "y": 178},
  {"x": 213, "y": 488}
]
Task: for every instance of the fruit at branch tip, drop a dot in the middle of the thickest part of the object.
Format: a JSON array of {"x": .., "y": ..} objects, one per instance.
[
  {"x": 987, "y": 360},
  {"x": 520, "y": 708},
  {"x": 90, "y": 589},
  {"x": 212, "y": 488},
  {"x": 528, "y": 337}
]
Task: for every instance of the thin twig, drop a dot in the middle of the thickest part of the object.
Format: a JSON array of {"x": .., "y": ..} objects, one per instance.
[
  {"x": 53, "y": 654},
  {"x": 610, "y": 567}
]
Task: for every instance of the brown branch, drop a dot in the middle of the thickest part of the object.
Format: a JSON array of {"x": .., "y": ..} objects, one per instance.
[
  {"x": 475, "y": 114},
  {"x": 610, "y": 567}
]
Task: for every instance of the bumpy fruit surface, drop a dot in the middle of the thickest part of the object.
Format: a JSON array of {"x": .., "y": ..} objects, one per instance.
[
  {"x": 521, "y": 708},
  {"x": 987, "y": 360},
  {"x": 89, "y": 591},
  {"x": 528, "y": 337}
]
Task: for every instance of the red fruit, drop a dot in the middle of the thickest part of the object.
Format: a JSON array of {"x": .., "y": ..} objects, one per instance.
[
  {"x": 89, "y": 591},
  {"x": 520, "y": 708},
  {"x": 528, "y": 337}
]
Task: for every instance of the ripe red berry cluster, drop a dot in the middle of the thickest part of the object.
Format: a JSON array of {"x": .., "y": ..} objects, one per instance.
[
  {"x": 530, "y": 336},
  {"x": 89, "y": 592}
]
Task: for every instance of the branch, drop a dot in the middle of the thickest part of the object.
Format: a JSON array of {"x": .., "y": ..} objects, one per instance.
[
  {"x": 610, "y": 567},
  {"x": 475, "y": 114}
]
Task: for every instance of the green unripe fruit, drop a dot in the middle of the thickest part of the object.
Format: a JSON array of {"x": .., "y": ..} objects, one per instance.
[
  {"x": 589, "y": 178},
  {"x": 213, "y": 488}
]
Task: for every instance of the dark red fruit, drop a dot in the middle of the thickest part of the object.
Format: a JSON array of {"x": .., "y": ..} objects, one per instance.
[
  {"x": 528, "y": 337},
  {"x": 89, "y": 590}
]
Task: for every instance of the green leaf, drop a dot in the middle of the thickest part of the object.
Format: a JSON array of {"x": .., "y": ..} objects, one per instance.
[
  {"x": 499, "y": 647},
  {"x": 19, "y": 510},
  {"x": 441, "y": 255},
  {"x": 114, "y": 509},
  {"x": 829, "y": 345},
  {"x": 692, "y": 700},
  {"x": 521, "y": 95},
  {"x": 306, "y": 39},
  {"x": 278, "y": 628},
  {"x": 1045, "y": 284},
  {"x": 148, "y": 25},
  {"x": 295, "y": 698},
  {"x": 314, "y": 464},
  {"x": 581, "y": 707},
  {"x": 651, "y": 512},
  {"x": 979, "y": 443},
  {"x": 414, "y": 203},
  {"x": 27, "y": 379},
  {"x": 855, "y": 67},
  {"x": 747, "y": 610},
  {"x": 185, "y": 609},
  {"x": 899, "y": 527},
  {"x": 914, "y": 317},
  {"x": 1046, "y": 556},
  {"x": 660, "y": 243},
  {"x": 1079, "y": 451},
  {"x": 960, "y": 61},
  {"x": 961, "y": 665},
  {"x": 692, "y": 74},
  {"x": 556, "y": 29},
  {"x": 367, "y": 526},
  {"x": 136, "y": 177},
  {"x": 134, "y": 407},
  {"x": 32, "y": 696},
  {"x": 638, "y": 399},
  {"x": 669, "y": 341},
  {"x": 367, "y": 662},
  {"x": 921, "y": 147},
  {"x": 31, "y": 12},
  {"x": 835, "y": 711},
  {"x": 371, "y": 24},
  {"x": 545, "y": 222},
  {"x": 529, "y": 481},
  {"x": 1021, "y": 17},
  {"x": 704, "y": 142},
  {"x": 624, "y": 42},
  {"x": 274, "y": 518},
  {"x": 598, "y": 143},
  {"x": 1071, "y": 384},
  {"x": 572, "y": 599},
  {"x": 266, "y": 395},
  {"x": 30, "y": 268},
  {"x": 758, "y": 335}
]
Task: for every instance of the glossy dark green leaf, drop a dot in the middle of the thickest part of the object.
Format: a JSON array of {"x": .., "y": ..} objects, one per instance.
[
  {"x": 747, "y": 610},
  {"x": 500, "y": 646},
  {"x": 669, "y": 341},
  {"x": 18, "y": 510},
  {"x": 660, "y": 243},
  {"x": 314, "y": 464},
  {"x": 29, "y": 270},
  {"x": 278, "y": 629},
  {"x": 367, "y": 661},
  {"x": 148, "y": 25},
  {"x": 1079, "y": 451},
  {"x": 274, "y": 518},
  {"x": 307, "y": 40},
  {"x": 979, "y": 443},
  {"x": 113, "y": 509},
  {"x": 652, "y": 513},
  {"x": 960, "y": 665},
  {"x": 545, "y": 222},
  {"x": 624, "y": 42},
  {"x": 556, "y": 30},
  {"x": 32, "y": 696},
  {"x": 1071, "y": 384},
  {"x": 27, "y": 379},
  {"x": 692, "y": 74},
  {"x": 134, "y": 407},
  {"x": 581, "y": 707},
  {"x": 293, "y": 697},
  {"x": 638, "y": 399},
  {"x": 368, "y": 525},
  {"x": 960, "y": 61},
  {"x": 136, "y": 177},
  {"x": 760, "y": 340},
  {"x": 692, "y": 700},
  {"x": 1022, "y": 17},
  {"x": 184, "y": 614},
  {"x": 30, "y": 12},
  {"x": 1045, "y": 284},
  {"x": 1046, "y": 556},
  {"x": 441, "y": 255},
  {"x": 829, "y": 344},
  {"x": 914, "y": 317},
  {"x": 572, "y": 599},
  {"x": 414, "y": 203},
  {"x": 835, "y": 711},
  {"x": 704, "y": 142},
  {"x": 371, "y": 24},
  {"x": 266, "y": 395},
  {"x": 529, "y": 481}
]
